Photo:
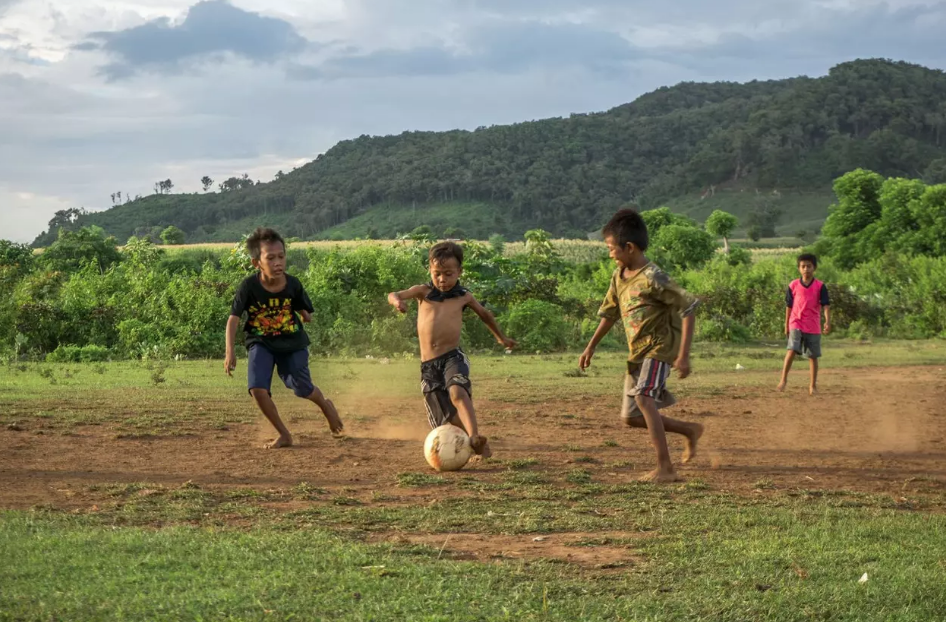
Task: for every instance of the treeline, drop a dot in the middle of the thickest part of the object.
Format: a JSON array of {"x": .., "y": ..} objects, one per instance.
[
  {"x": 566, "y": 174},
  {"x": 84, "y": 298}
]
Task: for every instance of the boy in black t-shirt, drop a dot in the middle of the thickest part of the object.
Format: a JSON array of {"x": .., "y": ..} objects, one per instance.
[{"x": 276, "y": 306}]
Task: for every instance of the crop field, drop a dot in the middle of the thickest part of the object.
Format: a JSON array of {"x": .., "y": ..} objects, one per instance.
[{"x": 141, "y": 491}]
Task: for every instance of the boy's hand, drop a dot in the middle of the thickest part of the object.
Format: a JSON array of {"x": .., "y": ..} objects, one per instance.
[
  {"x": 395, "y": 301},
  {"x": 584, "y": 361},
  {"x": 306, "y": 316},
  {"x": 509, "y": 343},
  {"x": 787, "y": 332},
  {"x": 827, "y": 328},
  {"x": 230, "y": 363},
  {"x": 682, "y": 365}
]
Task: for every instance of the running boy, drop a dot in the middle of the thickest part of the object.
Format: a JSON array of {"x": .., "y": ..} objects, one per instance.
[
  {"x": 276, "y": 306},
  {"x": 804, "y": 300},
  {"x": 444, "y": 368},
  {"x": 658, "y": 320}
]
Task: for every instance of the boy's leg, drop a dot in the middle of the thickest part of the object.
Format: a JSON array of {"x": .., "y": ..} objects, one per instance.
[
  {"x": 293, "y": 369},
  {"x": 813, "y": 349},
  {"x": 328, "y": 409},
  {"x": 259, "y": 370},
  {"x": 268, "y": 407},
  {"x": 467, "y": 415},
  {"x": 655, "y": 425},
  {"x": 457, "y": 376},
  {"x": 691, "y": 433},
  {"x": 786, "y": 367},
  {"x": 654, "y": 382}
]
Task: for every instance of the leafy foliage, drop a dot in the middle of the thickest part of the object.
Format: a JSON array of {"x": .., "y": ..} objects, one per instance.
[
  {"x": 567, "y": 175},
  {"x": 876, "y": 215}
]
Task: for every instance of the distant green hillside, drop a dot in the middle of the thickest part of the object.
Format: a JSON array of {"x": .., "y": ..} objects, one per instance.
[{"x": 793, "y": 136}]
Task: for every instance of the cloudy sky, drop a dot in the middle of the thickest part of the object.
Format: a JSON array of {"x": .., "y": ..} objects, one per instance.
[{"x": 97, "y": 97}]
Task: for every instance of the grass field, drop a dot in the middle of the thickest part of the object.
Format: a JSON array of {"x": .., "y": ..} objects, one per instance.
[{"x": 139, "y": 491}]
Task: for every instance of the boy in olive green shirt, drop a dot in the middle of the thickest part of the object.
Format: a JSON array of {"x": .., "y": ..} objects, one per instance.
[{"x": 658, "y": 320}]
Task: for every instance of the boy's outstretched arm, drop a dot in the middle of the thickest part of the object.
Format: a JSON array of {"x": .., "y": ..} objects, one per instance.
[
  {"x": 398, "y": 299},
  {"x": 603, "y": 327},
  {"x": 827, "y": 319},
  {"x": 490, "y": 322},
  {"x": 233, "y": 323}
]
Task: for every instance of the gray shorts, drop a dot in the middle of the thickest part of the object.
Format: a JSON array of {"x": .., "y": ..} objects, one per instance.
[
  {"x": 646, "y": 378},
  {"x": 806, "y": 344}
]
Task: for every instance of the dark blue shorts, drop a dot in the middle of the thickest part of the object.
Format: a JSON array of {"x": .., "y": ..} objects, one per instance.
[{"x": 292, "y": 367}]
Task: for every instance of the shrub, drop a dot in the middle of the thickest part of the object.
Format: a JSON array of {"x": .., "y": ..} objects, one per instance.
[{"x": 538, "y": 326}]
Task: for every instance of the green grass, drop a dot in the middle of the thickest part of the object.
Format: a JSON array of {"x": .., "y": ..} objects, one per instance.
[
  {"x": 153, "y": 551},
  {"x": 698, "y": 558},
  {"x": 800, "y": 210}
]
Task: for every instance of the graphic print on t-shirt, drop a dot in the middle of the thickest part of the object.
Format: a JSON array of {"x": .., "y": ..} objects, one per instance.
[{"x": 272, "y": 318}]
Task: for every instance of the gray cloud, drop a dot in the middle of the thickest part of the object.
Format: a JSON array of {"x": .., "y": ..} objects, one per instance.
[
  {"x": 496, "y": 46},
  {"x": 211, "y": 29}
]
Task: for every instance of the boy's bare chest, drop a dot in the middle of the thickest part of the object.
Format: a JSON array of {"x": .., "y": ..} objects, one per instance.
[{"x": 448, "y": 310}]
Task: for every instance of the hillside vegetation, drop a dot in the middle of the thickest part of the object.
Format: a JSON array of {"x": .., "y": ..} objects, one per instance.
[{"x": 781, "y": 143}]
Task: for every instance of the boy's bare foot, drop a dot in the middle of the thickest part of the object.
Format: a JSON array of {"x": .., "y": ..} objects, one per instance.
[
  {"x": 661, "y": 476},
  {"x": 690, "y": 441},
  {"x": 334, "y": 421},
  {"x": 481, "y": 446},
  {"x": 781, "y": 387},
  {"x": 282, "y": 441},
  {"x": 812, "y": 390}
]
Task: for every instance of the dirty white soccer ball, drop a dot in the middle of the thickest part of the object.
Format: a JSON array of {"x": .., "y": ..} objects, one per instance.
[{"x": 447, "y": 448}]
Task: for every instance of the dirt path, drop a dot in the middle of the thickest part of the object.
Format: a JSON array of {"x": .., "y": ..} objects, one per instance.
[{"x": 874, "y": 430}]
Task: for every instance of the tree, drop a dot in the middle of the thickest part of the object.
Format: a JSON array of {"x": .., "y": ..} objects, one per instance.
[
  {"x": 206, "y": 182},
  {"x": 721, "y": 224},
  {"x": 683, "y": 247},
  {"x": 73, "y": 249},
  {"x": 453, "y": 233},
  {"x": 172, "y": 235}
]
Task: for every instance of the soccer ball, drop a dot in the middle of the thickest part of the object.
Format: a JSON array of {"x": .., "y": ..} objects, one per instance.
[{"x": 447, "y": 448}]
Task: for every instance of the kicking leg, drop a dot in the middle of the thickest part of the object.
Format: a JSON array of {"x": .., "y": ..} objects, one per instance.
[
  {"x": 464, "y": 405},
  {"x": 268, "y": 408}
]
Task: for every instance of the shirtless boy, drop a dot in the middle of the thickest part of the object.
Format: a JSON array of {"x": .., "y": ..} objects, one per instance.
[{"x": 445, "y": 369}]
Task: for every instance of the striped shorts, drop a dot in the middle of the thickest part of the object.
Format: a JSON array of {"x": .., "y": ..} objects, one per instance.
[{"x": 648, "y": 378}]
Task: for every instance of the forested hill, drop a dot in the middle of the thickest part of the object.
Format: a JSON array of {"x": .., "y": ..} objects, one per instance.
[{"x": 566, "y": 174}]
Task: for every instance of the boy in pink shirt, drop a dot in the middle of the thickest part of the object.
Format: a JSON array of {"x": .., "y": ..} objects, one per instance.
[{"x": 804, "y": 300}]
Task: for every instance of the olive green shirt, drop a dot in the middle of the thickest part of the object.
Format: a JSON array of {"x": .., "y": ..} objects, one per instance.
[{"x": 652, "y": 307}]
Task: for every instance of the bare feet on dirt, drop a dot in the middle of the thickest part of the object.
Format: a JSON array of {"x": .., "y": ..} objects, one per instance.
[
  {"x": 481, "y": 447},
  {"x": 812, "y": 390},
  {"x": 334, "y": 421},
  {"x": 690, "y": 441},
  {"x": 661, "y": 476},
  {"x": 781, "y": 387},
  {"x": 282, "y": 441}
]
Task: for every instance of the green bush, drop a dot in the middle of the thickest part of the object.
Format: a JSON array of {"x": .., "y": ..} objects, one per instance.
[
  {"x": 539, "y": 326},
  {"x": 79, "y": 354}
]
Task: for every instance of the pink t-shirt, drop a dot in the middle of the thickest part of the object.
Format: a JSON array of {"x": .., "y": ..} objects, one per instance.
[{"x": 806, "y": 301}]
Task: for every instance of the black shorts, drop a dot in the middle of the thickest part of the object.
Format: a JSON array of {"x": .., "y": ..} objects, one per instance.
[{"x": 436, "y": 377}]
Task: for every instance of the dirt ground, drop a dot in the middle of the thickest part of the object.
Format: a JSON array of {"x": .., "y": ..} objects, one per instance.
[{"x": 875, "y": 430}]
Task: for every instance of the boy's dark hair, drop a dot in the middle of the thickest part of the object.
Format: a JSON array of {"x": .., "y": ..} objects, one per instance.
[
  {"x": 807, "y": 257},
  {"x": 627, "y": 226},
  {"x": 443, "y": 251},
  {"x": 254, "y": 243}
]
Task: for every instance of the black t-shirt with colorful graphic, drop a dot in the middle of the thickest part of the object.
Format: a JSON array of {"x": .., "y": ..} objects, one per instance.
[{"x": 272, "y": 318}]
